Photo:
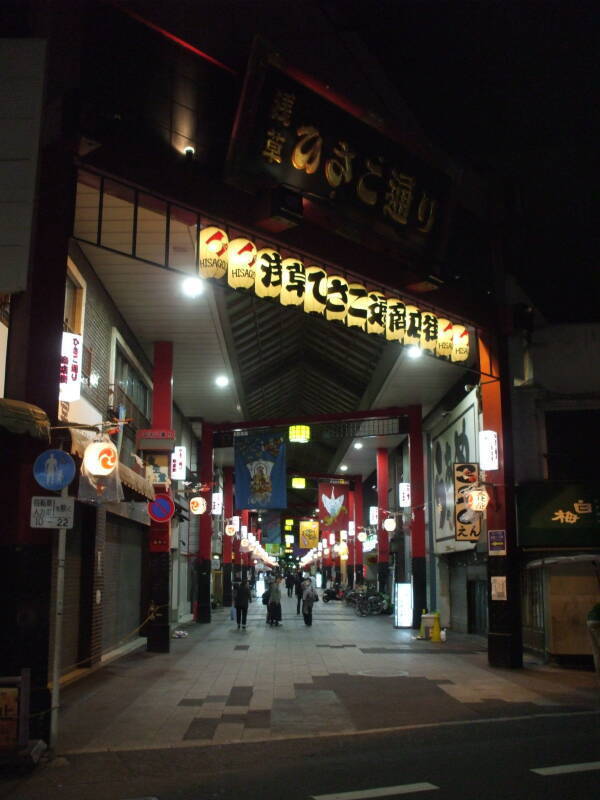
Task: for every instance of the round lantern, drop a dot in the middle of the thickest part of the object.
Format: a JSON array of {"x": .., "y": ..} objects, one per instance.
[
  {"x": 478, "y": 499},
  {"x": 361, "y": 536},
  {"x": 100, "y": 459},
  {"x": 300, "y": 434},
  {"x": 376, "y": 312},
  {"x": 241, "y": 256},
  {"x": 293, "y": 281},
  {"x": 315, "y": 290},
  {"x": 395, "y": 320},
  {"x": 444, "y": 340},
  {"x": 267, "y": 273},
  {"x": 338, "y": 299},
  {"x": 213, "y": 249},
  {"x": 429, "y": 331},
  {"x": 230, "y": 530},
  {"x": 460, "y": 343},
  {"x": 413, "y": 326},
  {"x": 197, "y": 505},
  {"x": 244, "y": 543},
  {"x": 389, "y": 524}
]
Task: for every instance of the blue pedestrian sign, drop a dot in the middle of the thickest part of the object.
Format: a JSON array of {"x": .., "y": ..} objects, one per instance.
[{"x": 54, "y": 469}]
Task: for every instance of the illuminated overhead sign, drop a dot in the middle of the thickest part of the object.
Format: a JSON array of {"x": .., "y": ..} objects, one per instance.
[{"x": 70, "y": 368}]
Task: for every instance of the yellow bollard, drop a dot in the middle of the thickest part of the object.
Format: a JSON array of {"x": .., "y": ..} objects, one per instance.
[
  {"x": 436, "y": 631},
  {"x": 422, "y": 628}
]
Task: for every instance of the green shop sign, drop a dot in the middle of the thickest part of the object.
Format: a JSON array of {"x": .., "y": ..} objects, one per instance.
[{"x": 556, "y": 514}]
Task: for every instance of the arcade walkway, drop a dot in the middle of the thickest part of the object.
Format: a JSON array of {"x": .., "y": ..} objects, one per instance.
[{"x": 343, "y": 675}]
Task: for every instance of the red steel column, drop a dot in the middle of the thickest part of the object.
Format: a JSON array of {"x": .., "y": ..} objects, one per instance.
[
  {"x": 417, "y": 490},
  {"x": 383, "y": 539},
  {"x": 227, "y": 540},
  {"x": 204, "y": 558},
  {"x": 359, "y": 523},
  {"x": 244, "y": 557}
]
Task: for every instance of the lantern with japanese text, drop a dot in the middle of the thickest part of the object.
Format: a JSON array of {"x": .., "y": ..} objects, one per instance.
[
  {"x": 230, "y": 529},
  {"x": 429, "y": 331},
  {"x": 460, "y": 343},
  {"x": 241, "y": 256},
  {"x": 413, "y": 326},
  {"x": 444, "y": 340},
  {"x": 356, "y": 316},
  {"x": 395, "y": 320},
  {"x": 293, "y": 279},
  {"x": 337, "y": 298},
  {"x": 267, "y": 273},
  {"x": 478, "y": 498},
  {"x": 315, "y": 291},
  {"x": 213, "y": 252},
  {"x": 376, "y": 313},
  {"x": 100, "y": 459}
]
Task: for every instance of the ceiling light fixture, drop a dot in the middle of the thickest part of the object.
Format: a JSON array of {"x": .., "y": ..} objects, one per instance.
[
  {"x": 358, "y": 445},
  {"x": 300, "y": 434},
  {"x": 344, "y": 467},
  {"x": 222, "y": 381},
  {"x": 414, "y": 352},
  {"x": 193, "y": 287}
]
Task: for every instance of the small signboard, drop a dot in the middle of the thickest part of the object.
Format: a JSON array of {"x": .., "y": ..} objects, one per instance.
[
  {"x": 54, "y": 470},
  {"x": 467, "y": 523},
  {"x": 161, "y": 509},
  {"x": 497, "y": 543},
  {"x": 52, "y": 512},
  {"x": 498, "y": 586},
  {"x": 558, "y": 514}
]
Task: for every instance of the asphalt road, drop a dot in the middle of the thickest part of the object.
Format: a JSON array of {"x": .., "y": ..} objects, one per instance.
[{"x": 492, "y": 759}]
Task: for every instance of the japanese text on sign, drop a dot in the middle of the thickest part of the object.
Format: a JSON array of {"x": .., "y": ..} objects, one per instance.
[{"x": 52, "y": 512}]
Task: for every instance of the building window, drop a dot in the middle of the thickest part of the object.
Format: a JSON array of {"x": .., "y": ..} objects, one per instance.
[
  {"x": 74, "y": 300},
  {"x": 131, "y": 388}
]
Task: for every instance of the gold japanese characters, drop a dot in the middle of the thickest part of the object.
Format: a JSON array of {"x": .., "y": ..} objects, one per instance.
[{"x": 311, "y": 287}]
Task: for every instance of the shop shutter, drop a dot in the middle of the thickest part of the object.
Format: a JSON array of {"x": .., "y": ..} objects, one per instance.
[
  {"x": 122, "y": 581},
  {"x": 458, "y": 599}
]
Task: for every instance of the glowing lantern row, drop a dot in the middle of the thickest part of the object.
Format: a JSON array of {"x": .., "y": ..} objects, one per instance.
[
  {"x": 100, "y": 459},
  {"x": 332, "y": 296}
]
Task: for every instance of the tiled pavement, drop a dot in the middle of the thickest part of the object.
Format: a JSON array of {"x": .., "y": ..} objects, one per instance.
[{"x": 344, "y": 674}]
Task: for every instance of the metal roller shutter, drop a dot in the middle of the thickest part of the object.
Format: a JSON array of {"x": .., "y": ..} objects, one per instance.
[{"x": 122, "y": 581}]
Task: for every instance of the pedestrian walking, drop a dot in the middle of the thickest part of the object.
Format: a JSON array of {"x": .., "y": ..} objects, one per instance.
[
  {"x": 242, "y": 598},
  {"x": 309, "y": 598},
  {"x": 299, "y": 589},
  {"x": 289, "y": 583},
  {"x": 274, "y": 612}
]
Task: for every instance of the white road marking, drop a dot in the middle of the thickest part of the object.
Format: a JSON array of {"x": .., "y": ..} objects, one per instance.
[
  {"x": 565, "y": 768},
  {"x": 384, "y": 791}
]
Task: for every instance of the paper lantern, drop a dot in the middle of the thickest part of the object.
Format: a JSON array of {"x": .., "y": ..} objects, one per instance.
[
  {"x": 444, "y": 340},
  {"x": 315, "y": 291},
  {"x": 361, "y": 536},
  {"x": 413, "y": 326},
  {"x": 241, "y": 256},
  {"x": 230, "y": 530},
  {"x": 376, "y": 313},
  {"x": 100, "y": 459},
  {"x": 338, "y": 299},
  {"x": 300, "y": 434},
  {"x": 356, "y": 316},
  {"x": 488, "y": 450},
  {"x": 389, "y": 524},
  {"x": 197, "y": 505},
  {"x": 343, "y": 536},
  {"x": 298, "y": 483},
  {"x": 267, "y": 273},
  {"x": 478, "y": 498},
  {"x": 429, "y": 331},
  {"x": 293, "y": 282},
  {"x": 395, "y": 320},
  {"x": 460, "y": 343},
  {"x": 213, "y": 250}
]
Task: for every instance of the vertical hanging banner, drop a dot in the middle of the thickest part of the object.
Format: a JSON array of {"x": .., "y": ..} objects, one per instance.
[
  {"x": 467, "y": 523},
  {"x": 308, "y": 534},
  {"x": 333, "y": 505},
  {"x": 260, "y": 471}
]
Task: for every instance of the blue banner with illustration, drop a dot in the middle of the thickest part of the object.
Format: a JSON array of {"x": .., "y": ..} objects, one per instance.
[
  {"x": 271, "y": 527},
  {"x": 260, "y": 471}
]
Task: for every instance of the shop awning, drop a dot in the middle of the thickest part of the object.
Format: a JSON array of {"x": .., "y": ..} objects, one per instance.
[
  {"x": 80, "y": 440},
  {"x": 24, "y": 418}
]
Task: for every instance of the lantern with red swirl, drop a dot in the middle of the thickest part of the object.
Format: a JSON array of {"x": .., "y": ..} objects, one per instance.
[{"x": 100, "y": 459}]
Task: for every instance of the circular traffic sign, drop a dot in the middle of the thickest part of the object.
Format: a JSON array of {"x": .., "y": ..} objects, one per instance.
[
  {"x": 54, "y": 469},
  {"x": 162, "y": 508}
]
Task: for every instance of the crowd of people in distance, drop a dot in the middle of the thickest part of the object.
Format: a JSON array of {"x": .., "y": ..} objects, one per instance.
[{"x": 295, "y": 583}]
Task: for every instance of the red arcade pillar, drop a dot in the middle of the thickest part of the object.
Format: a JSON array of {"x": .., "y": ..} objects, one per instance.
[
  {"x": 203, "y": 561},
  {"x": 351, "y": 541},
  {"x": 383, "y": 539},
  {"x": 245, "y": 557},
  {"x": 159, "y": 629},
  {"x": 417, "y": 489},
  {"x": 227, "y": 540},
  {"x": 359, "y": 569}
]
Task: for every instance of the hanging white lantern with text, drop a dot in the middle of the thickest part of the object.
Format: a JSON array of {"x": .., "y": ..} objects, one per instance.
[
  {"x": 444, "y": 341},
  {"x": 70, "y": 368},
  {"x": 197, "y": 505},
  {"x": 100, "y": 459},
  {"x": 332, "y": 538},
  {"x": 429, "y": 331},
  {"x": 178, "y": 459},
  {"x": 267, "y": 273},
  {"x": 412, "y": 335},
  {"x": 293, "y": 282},
  {"x": 361, "y": 536},
  {"x": 337, "y": 298},
  {"x": 376, "y": 312},
  {"x": 315, "y": 290},
  {"x": 478, "y": 498},
  {"x": 241, "y": 256},
  {"x": 230, "y": 530},
  {"x": 373, "y": 515},
  {"x": 213, "y": 252},
  {"x": 356, "y": 316},
  {"x": 217, "y": 503},
  {"x": 488, "y": 450},
  {"x": 460, "y": 343},
  {"x": 351, "y": 527},
  {"x": 235, "y": 521},
  {"x": 404, "y": 495},
  {"x": 395, "y": 320}
]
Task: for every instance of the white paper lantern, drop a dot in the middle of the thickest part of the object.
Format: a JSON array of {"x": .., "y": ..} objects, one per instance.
[
  {"x": 315, "y": 290},
  {"x": 241, "y": 257},
  {"x": 395, "y": 320},
  {"x": 267, "y": 273},
  {"x": 213, "y": 250},
  {"x": 338, "y": 299},
  {"x": 361, "y": 536},
  {"x": 293, "y": 282},
  {"x": 356, "y": 316},
  {"x": 197, "y": 505},
  {"x": 376, "y": 313},
  {"x": 460, "y": 343},
  {"x": 444, "y": 340},
  {"x": 488, "y": 450},
  {"x": 413, "y": 326},
  {"x": 429, "y": 331},
  {"x": 389, "y": 524},
  {"x": 100, "y": 459}
]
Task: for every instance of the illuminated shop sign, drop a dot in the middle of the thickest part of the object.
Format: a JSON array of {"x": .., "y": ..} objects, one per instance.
[
  {"x": 333, "y": 297},
  {"x": 70, "y": 367}
]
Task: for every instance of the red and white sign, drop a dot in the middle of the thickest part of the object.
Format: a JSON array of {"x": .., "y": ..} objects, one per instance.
[
  {"x": 178, "y": 460},
  {"x": 333, "y": 506},
  {"x": 70, "y": 368}
]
